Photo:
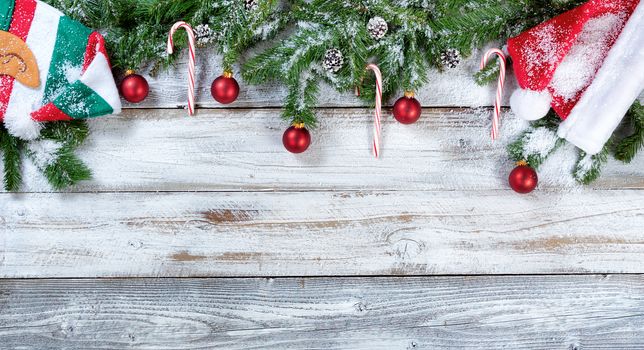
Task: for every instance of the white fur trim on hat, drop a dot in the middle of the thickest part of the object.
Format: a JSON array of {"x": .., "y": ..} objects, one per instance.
[
  {"x": 530, "y": 104},
  {"x": 18, "y": 121},
  {"x": 24, "y": 127}
]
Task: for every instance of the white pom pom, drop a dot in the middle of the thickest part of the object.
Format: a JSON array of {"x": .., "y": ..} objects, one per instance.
[
  {"x": 530, "y": 104},
  {"x": 23, "y": 126}
]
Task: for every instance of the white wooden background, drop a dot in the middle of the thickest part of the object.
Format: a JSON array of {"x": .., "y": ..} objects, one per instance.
[{"x": 200, "y": 233}]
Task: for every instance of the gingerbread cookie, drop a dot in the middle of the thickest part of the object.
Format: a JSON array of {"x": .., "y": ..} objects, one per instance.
[{"x": 17, "y": 60}]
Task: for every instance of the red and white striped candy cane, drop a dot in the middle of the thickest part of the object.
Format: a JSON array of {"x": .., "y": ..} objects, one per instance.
[
  {"x": 191, "y": 62},
  {"x": 499, "y": 90},
  {"x": 377, "y": 127}
]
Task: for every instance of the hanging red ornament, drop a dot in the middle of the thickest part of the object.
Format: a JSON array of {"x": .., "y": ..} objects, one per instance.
[
  {"x": 296, "y": 139},
  {"x": 523, "y": 179},
  {"x": 225, "y": 89},
  {"x": 407, "y": 109},
  {"x": 134, "y": 88}
]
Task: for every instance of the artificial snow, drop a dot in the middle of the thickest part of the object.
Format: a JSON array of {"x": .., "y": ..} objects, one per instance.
[
  {"x": 539, "y": 141},
  {"x": 618, "y": 82},
  {"x": 585, "y": 165},
  {"x": 555, "y": 172},
  {"x": 544, "y": 53},
  {"x": 33, "y": 178},
  {"x": 18, "y": 120},
  {"x": 580, "y": 65},
  {"x": 43, "y": 152},
  {"x": 72, "y": 72},
  {"x": 266, "y": 30},
  {"x": 204, "y": 35}
]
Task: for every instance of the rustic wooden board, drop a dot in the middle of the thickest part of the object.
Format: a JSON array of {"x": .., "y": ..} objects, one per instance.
[
  {"x": 547, "y": 312},
  {"x": 320, "y": 233},
  {"x": 164, "y": 150},
  {"x": 217, "y": 196}
]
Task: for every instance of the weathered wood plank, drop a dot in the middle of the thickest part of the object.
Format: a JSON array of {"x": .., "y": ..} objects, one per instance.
[
  {"x": 163, "y": 150},
  {"x": 305, "y": 234},
  {"x": 526, "y": 312},
  {"x": 168, "y": 90}
]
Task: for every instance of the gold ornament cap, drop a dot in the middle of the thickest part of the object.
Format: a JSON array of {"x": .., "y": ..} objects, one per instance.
[{"x": 410, "y": 94}]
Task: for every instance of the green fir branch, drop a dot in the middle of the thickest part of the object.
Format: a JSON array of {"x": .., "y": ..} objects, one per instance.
[
  {"x": 540, "y": 131},
  {"x": 418, "y": 32},
  {"x": 136, "y": 30},
  {"x": 65, "y": 170},
  {"x": 300, "y": 102},
  {"x": 473, "y": 24},
  {"x": 72, "y": 133},
  {"x": 628, "y": 147},
  {"x": 11, "y": 148},
  {"x": 588, "y": 167},
  {"x": 520, "y": 150},
  {"x": 550, "y": 121},
  {"x": 489, "y": 73}
]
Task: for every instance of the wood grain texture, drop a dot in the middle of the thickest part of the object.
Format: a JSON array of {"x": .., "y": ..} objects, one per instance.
[
  {"x": 320, "y": 234},
  {"x": 164, "y": 150},
  {"x": 436, "y": 204},
  {"x": 526, "y": 312}
]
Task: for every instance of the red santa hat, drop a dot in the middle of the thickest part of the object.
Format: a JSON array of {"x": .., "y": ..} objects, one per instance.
[{"x": 596, "y": 47}]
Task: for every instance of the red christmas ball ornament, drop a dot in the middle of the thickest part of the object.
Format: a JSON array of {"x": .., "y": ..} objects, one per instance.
[
  {"x": 134, "y": 88},
  {"x": 225, "y": 89},
  {"x": 296, "y": 139},
  {"x": 407, "y": 109},
  {"x": 523, "y": 179}
]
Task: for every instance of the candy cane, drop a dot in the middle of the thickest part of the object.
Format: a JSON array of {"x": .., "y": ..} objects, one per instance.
[
  {"x": 191, "y": 62},
  {"x": 377, "y": 128},
  {"x": 499, "y": 90}
]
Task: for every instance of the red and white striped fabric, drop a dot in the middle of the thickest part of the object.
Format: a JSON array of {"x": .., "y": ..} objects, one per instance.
[
  {"x": 191, "y": 60},
  {"x": 76, "y": 78},
  {"x": 496, "y": 120},
  {"x": 377, "y": 126}
]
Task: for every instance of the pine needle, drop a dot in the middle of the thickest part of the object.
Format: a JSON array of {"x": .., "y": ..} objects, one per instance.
[
  {"x": 628, "y": 147},
  {"x": 67, "y": 170},
  {"x": 588, "y": 168},
  {"x": 11, "y": 147}
]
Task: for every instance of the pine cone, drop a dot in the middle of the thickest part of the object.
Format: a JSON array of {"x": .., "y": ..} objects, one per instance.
[
  {"x": 450, "y": 58},
  {"x": 204, "y": 35},
  {"x": 252, "y": 5},
  {"x": 333, "y": 60},
  {"x": 377, "y": 28}
]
